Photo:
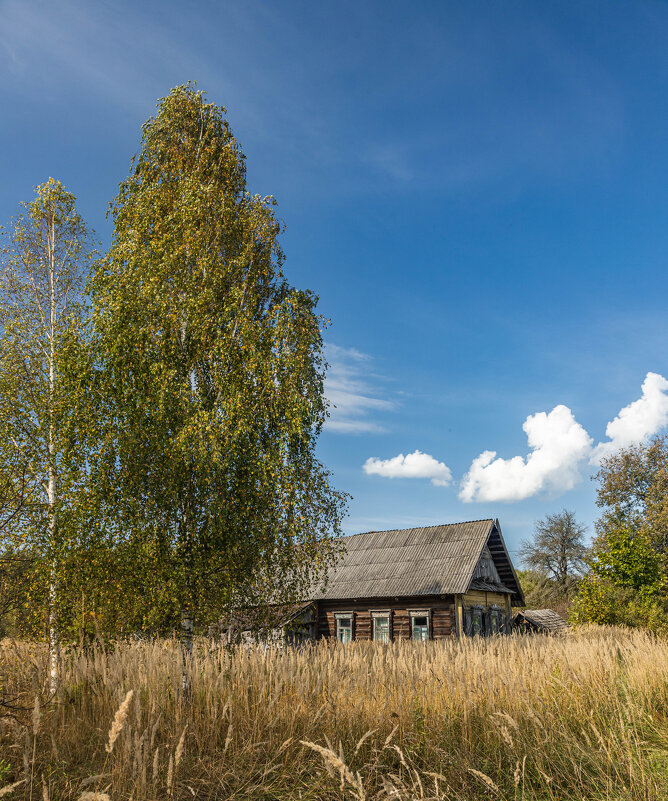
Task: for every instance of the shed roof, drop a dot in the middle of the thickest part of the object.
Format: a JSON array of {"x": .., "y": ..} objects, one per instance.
[
  {"x": 435, "y": 560},
  {"x": 546, "y": 619}
]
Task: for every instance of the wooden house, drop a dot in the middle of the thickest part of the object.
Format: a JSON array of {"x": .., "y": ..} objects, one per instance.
[
  {"x": 421, "y": 584},
  {"x": 417, "y": 583}
]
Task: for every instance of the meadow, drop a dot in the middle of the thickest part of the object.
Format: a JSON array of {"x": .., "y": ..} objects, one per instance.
[{"x": 583, "y": 716}]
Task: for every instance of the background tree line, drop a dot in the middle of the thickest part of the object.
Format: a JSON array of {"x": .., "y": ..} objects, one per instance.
[
  {"x": 622, "y": 577},
  {"x": 159, "y": 403}
]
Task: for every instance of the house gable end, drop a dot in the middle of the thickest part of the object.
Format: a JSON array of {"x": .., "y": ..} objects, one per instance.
[
  {"x": 486, "y": 570},
  {"x": 504, "y": 565}
]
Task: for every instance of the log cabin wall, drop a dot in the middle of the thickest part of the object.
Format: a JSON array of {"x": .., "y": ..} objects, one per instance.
[
  {"x": 493, "y": 613},
  {"x": 485, "y": 599},
  {"x": 439, "y": 609}
]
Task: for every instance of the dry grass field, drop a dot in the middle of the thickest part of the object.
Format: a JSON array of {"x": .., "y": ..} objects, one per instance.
[{"x": 583, "y": 716}]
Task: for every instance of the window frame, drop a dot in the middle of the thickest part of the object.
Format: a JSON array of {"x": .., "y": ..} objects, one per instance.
[
  {"x": 503, "y": 622},
  {"x": 412, "y": 614},
  {"x": 338, "y": 616},
  {"x": 495, "y": 613},
  {"x": 477, "y": 610},
  {"x": 380, "y": 614}
]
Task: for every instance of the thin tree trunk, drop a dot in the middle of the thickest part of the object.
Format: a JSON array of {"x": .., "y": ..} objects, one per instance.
[
  {"x": 52, "y": 488},
  {"x": 187, "y": 613},
  {"x": 187, "y": 521},
  {"x": 187, "y": 628},
  {"x": 54, "y": 639}
]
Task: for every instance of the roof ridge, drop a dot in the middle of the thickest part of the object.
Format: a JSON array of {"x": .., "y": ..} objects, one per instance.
[{"x": 420, "y": 528}]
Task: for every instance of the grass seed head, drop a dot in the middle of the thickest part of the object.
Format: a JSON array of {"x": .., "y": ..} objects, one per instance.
[
  {"x": 94, "y": 795},
  {"x": 119, "y": 721},
  {"x": 36, "y": 716}
]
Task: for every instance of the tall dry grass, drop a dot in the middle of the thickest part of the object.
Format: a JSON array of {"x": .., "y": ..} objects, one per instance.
[{"x": 577, "y": 717}]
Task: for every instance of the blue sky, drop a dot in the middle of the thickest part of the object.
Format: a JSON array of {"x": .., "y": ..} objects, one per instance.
[{"x": 476, "y": 191}]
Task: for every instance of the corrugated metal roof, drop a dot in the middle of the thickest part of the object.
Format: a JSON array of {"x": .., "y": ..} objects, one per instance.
[{"x": 436, "y": 560}]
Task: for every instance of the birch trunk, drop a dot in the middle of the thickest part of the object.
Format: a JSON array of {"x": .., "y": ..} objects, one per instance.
[
  {"x": 187, "y": 627},
  {"x": 187, "y": 615},
  {"x": 41, "y": 281},
  {"x": 52, "y": 486}
]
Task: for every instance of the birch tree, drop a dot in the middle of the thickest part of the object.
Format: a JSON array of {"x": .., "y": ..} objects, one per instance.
[
  {"x": 214, "y": 376},
  {"x": 44, "y": 260}
]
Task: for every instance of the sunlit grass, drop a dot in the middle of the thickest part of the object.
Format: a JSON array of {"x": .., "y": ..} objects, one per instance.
[{"x": 576, "y": 717}]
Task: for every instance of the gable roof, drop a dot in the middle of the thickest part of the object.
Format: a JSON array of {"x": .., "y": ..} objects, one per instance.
[
  {"x": 546, "y": 619},
  {"x": 435, "y": 560}
]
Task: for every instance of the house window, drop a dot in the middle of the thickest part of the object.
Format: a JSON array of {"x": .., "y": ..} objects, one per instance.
[
  {"x": 468, "y": 623},
  {"x": 344, "y": 627},
  {"x": 494, "y": 626},
  {"x": 420, "y": 625},
  {"x": 477, "y": 622},
  {"x": 381, "y": 626}
]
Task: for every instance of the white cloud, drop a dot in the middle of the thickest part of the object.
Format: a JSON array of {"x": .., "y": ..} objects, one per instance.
[
  {"x": 351, "y": 394},
  {"x": 559, "y": 445},
  {"x": 559, "y": 450},
  {"x": 413, "y": 465},
  {"x": 638, "y": 421}
]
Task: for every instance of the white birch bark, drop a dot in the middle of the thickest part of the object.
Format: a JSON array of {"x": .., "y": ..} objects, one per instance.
[
  {"x": 40, "y": 282},
  {"x": 52, "y": 486},
  {"x": 187, "y": 627},
  {"x": 187, "y": 615}
]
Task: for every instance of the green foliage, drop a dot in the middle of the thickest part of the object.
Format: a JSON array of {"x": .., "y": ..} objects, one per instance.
[
  {"x": 626, "y": 557},
  {"x": 158, "y": 457},
  {"x": 628, "y": 582},
  {"x": 211, "y": 377},
  {"x": 44, "y": 257},
  {"x": 541, "y": 591},
  {"x": 603, "y": 602}
]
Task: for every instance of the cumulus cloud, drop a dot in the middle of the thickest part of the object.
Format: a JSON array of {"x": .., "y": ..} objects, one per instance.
[
  {"x": 560, "y": 450},
  {"x": 638, "y": 421},
  {"x": 413, "y": 465},
  {"x": 559, "y": 445},
  {"x": 349, "y": 389}
]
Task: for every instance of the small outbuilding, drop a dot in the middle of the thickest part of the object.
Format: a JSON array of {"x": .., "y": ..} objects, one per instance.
[{"x": 546, "y": 621}]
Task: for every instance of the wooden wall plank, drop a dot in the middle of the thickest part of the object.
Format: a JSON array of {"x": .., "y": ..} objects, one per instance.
[
  {"x": 442, "y": 611},
  {"x": 478, "y": 597}
]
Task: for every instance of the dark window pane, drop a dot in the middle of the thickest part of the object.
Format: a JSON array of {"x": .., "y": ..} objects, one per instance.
[{"x": 468, "y": 623}]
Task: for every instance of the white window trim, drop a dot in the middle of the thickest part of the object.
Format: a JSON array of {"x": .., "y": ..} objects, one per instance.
[
  {"x": 413, "y": 613},
  {"x": 344, "y": 616},
  {"x": 376, "y": 613}
]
